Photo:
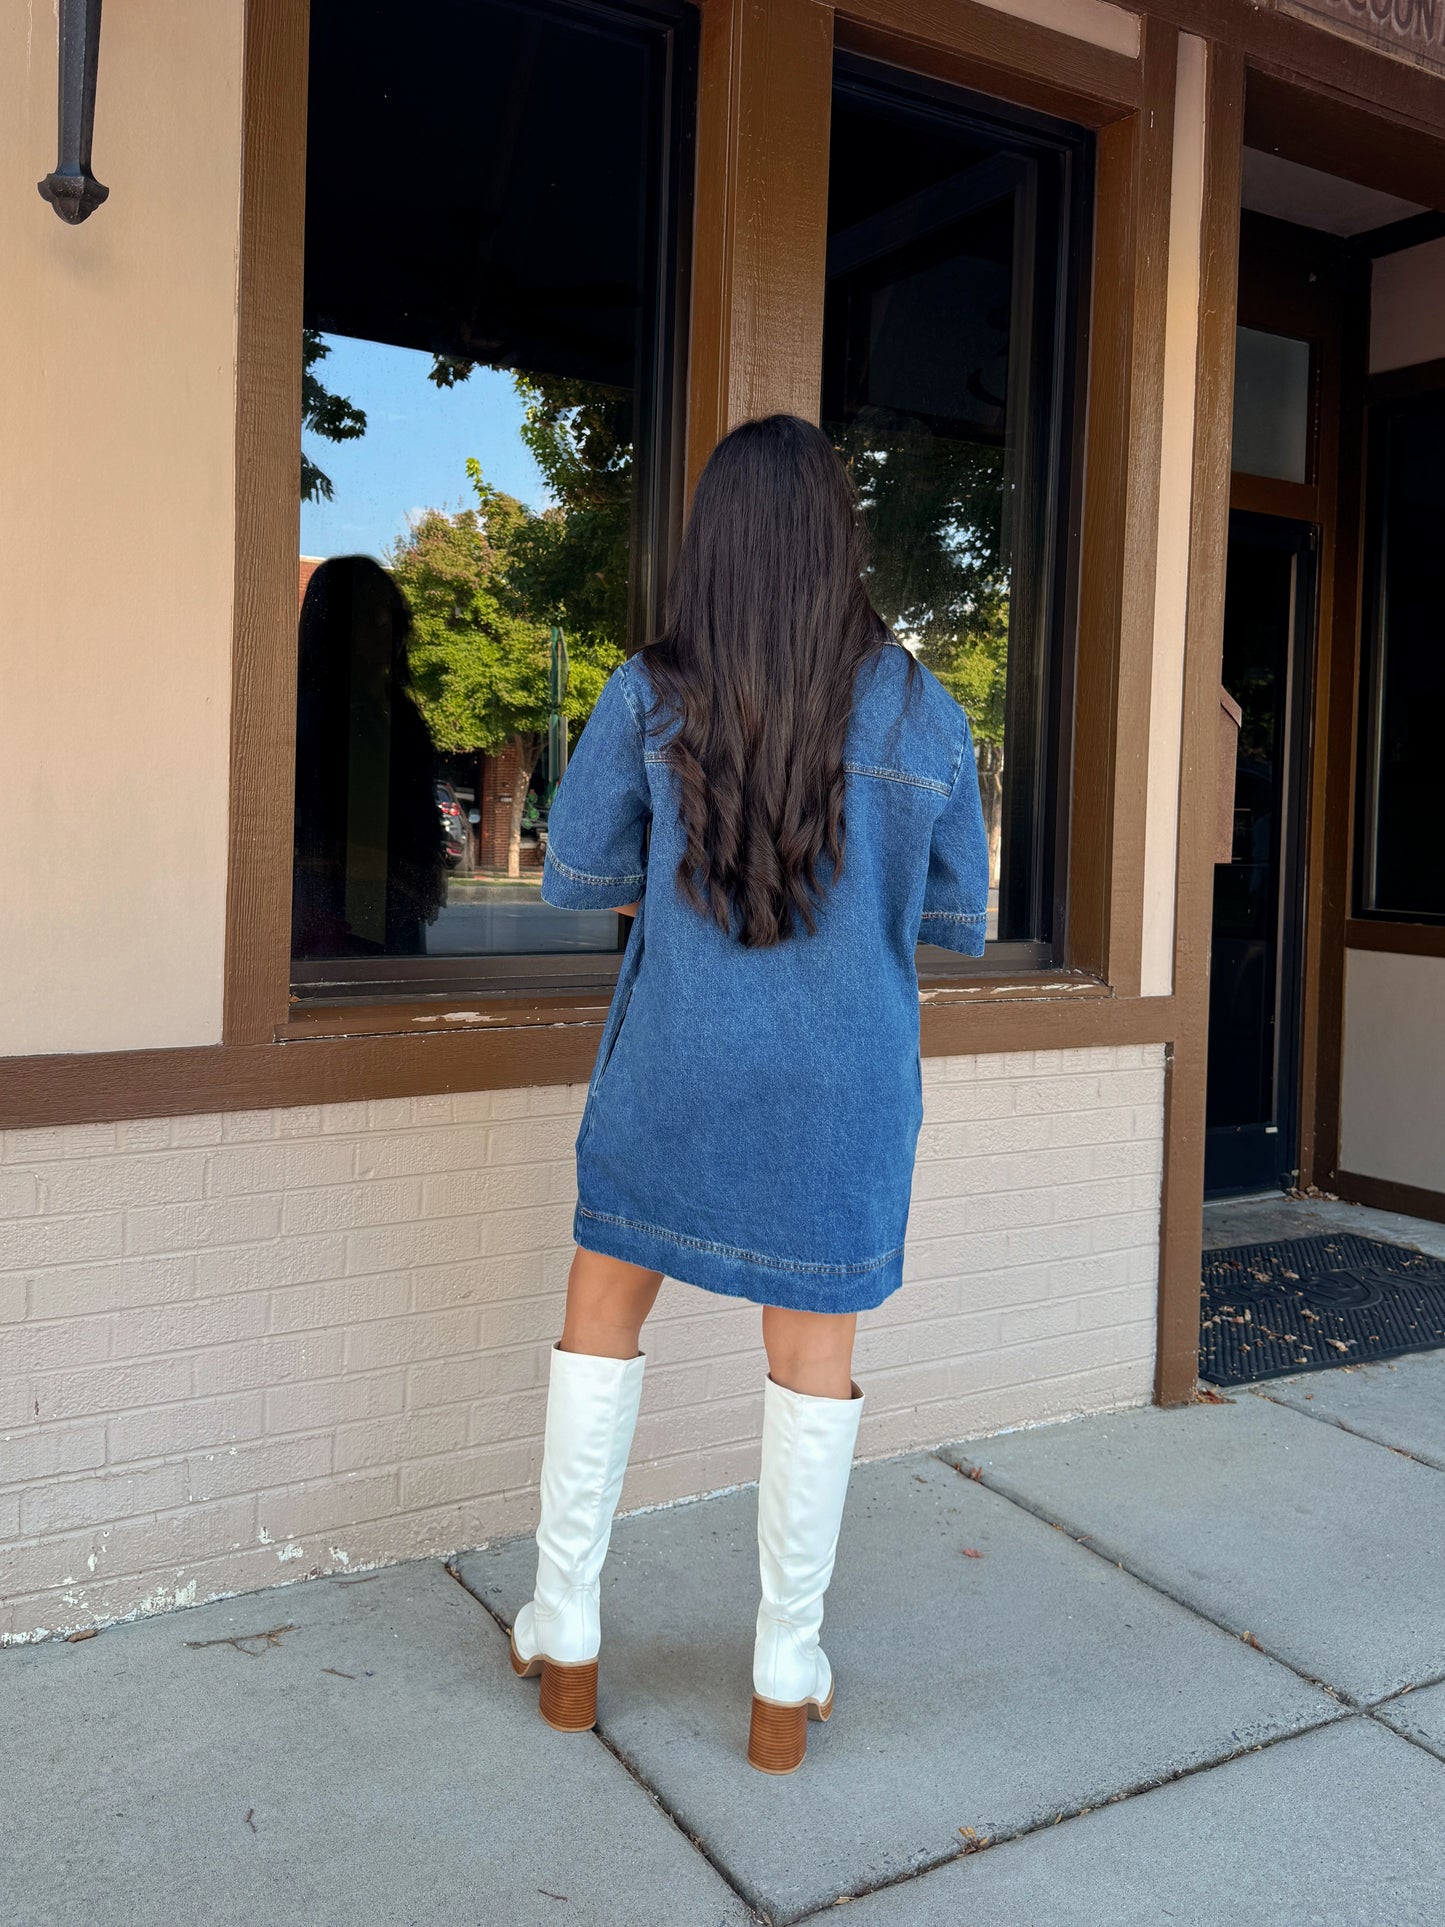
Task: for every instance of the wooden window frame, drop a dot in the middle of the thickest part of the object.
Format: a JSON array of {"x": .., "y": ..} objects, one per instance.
[{"x": 758, "y": 257}]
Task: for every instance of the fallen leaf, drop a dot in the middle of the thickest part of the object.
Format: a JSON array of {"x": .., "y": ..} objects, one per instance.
[
  {"x": 88, "y": 1632},
  {"x": 975, "y": 1472},
  {"x": 972, "y": 1552}
]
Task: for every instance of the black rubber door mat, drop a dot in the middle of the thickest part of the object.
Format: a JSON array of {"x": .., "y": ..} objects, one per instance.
[{"x": 1306, "y": 1304}]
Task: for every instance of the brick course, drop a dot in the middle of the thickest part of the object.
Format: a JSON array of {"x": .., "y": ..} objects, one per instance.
[{"x": 241, "y": 1349}]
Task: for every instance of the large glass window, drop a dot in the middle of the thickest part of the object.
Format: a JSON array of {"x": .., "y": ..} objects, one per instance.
[
  {"x": 950, "y": 340},
  {"x": 489, "y": 463},
  {"x": 1402, "y": 852}
]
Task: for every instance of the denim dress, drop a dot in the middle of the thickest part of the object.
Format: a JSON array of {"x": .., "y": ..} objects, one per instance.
[{"x": 753, "y": 1114}]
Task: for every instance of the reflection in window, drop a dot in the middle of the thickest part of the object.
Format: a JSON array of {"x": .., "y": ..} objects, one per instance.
[
  {"x": 946, "y": 353},
  {"x": 1402, "y": 851},
  {"x": 1271, "y": 405},
  {"x": 486, "y": 462}
]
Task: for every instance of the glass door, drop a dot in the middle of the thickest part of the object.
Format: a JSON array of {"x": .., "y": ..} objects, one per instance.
[{"x": 1252, "y": 1116}]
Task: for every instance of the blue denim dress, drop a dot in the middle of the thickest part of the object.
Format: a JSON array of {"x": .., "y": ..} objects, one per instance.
[{"x": 753, "y": 1115}]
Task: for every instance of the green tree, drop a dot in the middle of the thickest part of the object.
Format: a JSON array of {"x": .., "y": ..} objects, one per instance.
[
  {"x": 478, "y": 661},
  {"x": 485, "y": 586},
  {"x": 325, "y": 413},
  {"x": 933, "y": 508}
]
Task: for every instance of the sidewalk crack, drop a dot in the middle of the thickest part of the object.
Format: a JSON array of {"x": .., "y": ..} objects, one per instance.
[
  {"x": 975, "y": 1473},
  {"x": 1341, "y": 1425},
  {"x": 632, "y": 1770}
]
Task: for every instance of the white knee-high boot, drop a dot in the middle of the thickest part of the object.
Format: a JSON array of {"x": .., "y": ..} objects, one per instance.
[
  {"x": 807, "y": 1456},
  {"x": 591, "y": 1415}
]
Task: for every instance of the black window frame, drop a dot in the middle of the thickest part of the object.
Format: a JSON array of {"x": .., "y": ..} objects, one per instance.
[{"x": 1041, "y": 705}]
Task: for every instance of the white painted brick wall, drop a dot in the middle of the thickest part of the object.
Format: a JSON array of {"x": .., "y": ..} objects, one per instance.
[{"x": 240, "y": 1349}]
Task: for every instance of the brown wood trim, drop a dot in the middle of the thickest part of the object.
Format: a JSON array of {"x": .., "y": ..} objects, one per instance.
[
  {"x": 1397, "y": 384},
  {"x": 1333, "y": 726},
  {"x": 993, "y": 53},
  {"x": 1396, "y": 939},
  {"x": 268, "y": 416},
  {"x": 440, "y": 1017},
  {"x": 760, "y": 231},
  {"x": 1182, "y": 1201},
  {"x": 1294, "y": 49},
  {"x": 1266, "y": 495},
  {"x": 1121, "y": 528},
  {"x": 1373, "y": 120},
  {"x": 1385, "y": 1194},
  {"x": 559, "y": 1049}
]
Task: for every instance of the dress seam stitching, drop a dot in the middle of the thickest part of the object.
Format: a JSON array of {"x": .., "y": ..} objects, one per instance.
[
  {"x": 897, "y": 776},
  {"x": 583, "y": 876},
  {"x": 735, "y": 1251}
]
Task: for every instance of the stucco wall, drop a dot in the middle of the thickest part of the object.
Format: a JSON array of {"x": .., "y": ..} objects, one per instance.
[
  {"x": 237, "y": 1350},
  {"x": 117, "y": 375},
  {"x": 1392, "y": 1105}
]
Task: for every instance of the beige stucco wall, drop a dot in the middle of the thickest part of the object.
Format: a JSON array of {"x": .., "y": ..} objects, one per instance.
[
  {"x": 117, "y": 353},
  {"x": 1392, "y": 1107},
  {"x": 1165, "y": 722},
  {"x": 1097, "y": 21}
]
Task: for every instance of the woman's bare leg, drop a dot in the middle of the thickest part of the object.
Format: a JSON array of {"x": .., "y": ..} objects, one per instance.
[
  {"x": 810, "y": 1351},
  {"x": 607, "y": 1301}
]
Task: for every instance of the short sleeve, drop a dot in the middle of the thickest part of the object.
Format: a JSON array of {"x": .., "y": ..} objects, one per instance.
[
  {"x": 598, "y": 820},
  {"x": 955, "y": 897}
]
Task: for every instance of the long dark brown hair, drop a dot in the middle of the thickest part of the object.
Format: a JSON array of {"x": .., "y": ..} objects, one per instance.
[{"x": 768, "y": 622}]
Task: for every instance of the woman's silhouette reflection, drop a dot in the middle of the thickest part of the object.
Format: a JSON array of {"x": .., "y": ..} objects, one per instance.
[{"x": 369, "y": 873}]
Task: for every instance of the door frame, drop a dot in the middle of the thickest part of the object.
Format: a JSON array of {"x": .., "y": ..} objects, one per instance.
[{"x": 1300, "y": 538}]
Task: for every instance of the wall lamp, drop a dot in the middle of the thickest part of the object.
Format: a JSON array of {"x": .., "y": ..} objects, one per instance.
[{"x": 72, "y": 190}]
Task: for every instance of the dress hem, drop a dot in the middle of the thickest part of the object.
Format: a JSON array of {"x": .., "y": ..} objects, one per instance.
[{"x": 696, "y": 1262}]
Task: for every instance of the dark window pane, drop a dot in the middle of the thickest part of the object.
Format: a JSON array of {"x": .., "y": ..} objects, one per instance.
[
  {"x": 487, "y": 460},
  {"x": 947, "y": 347},
  {"x": 1271, "y": 405},
  {"x": 1404, "y": 853}
]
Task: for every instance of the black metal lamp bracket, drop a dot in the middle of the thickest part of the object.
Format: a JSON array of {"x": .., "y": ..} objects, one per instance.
[{"x": 72, "y": 190}]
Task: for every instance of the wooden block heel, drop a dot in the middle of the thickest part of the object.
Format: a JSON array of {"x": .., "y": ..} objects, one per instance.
[
  {"x": 778, "y": 1735},
  {"x": 568, "y": 1699}
]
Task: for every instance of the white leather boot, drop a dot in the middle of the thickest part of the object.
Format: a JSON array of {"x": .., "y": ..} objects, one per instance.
[
  {"x": 807, "y": 1457},
  {"x": 591, "y": 1415}
]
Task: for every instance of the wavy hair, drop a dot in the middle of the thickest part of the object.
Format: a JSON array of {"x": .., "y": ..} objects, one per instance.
[{"x": 768, "y": 623}]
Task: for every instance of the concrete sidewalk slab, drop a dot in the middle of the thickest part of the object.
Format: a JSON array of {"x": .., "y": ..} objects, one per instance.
[
  {"x": 1247, "y": 1221},
  {"x": 1420, "y": 1717},
  {"x": 1329, "y": 1549},
  {"x": 1343, "y": 1828},
  {"x": 1400, "y": 1402},
  {"x": 988, "y": 1692},
  {"x": 376, "y": 1763}
]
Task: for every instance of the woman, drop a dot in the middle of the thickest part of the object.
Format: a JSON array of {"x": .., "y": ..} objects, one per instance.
[{"x": 784, "y": 800}]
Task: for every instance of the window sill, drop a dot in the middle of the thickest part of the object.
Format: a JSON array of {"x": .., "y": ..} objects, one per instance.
[
  {"x": 361, "y": 1052},
  {"x": 472, "y": 1015}
]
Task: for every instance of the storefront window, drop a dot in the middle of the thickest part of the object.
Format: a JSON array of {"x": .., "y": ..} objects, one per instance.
[
  {"x": 488, "y": 464},
  {"x": 949, "y": 343},
  {"x": 1402, "y": 856}
]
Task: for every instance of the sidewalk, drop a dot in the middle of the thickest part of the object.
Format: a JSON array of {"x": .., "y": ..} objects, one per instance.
[{"x": 1177, "y": 1667}]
